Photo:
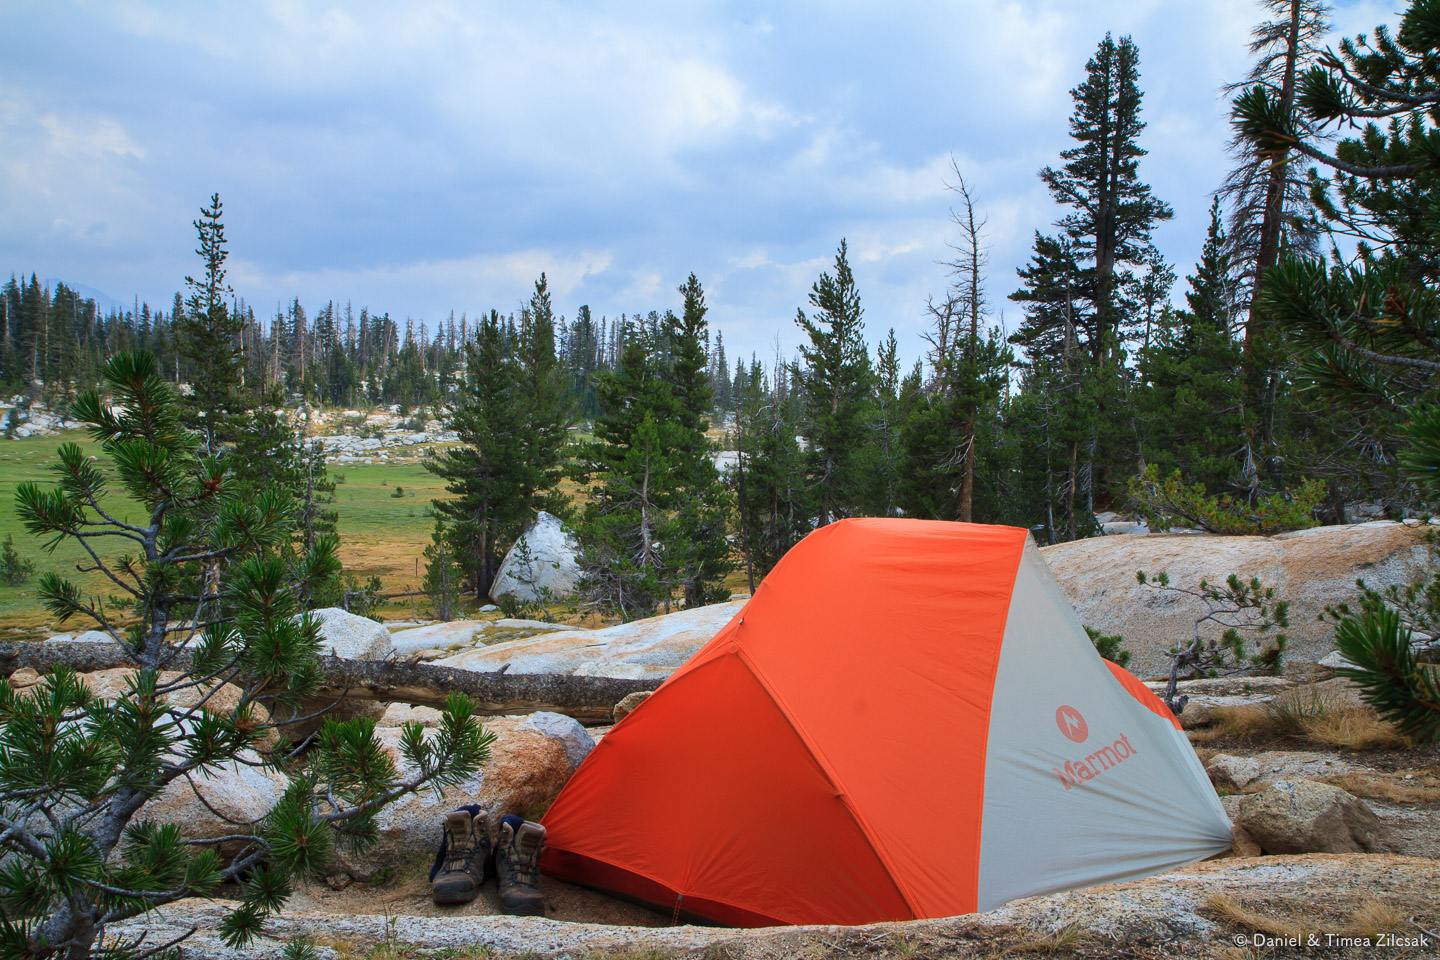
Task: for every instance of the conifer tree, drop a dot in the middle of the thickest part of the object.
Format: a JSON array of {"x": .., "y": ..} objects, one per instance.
[
  {"x": 1113, "y": 210},
  {"x": 631, "y": 466},
  {"x": 486, "y": 474},
  {"x": 697, "y": 550},
  {"x": 971, "y": 363},
  {"x": 442, "y": 574},
  {"x": 773, "y": 504},
  {"x": 1269, "y": 195},
  {"x": 208, "y": 333},
  {"x": 882, "y": 487},
  {"x": 546, "y": 410},
  {"x": 204, "y": 575},
  {"x": 1369, "y": 332},
  {"x": 1191, "y": 405},
  {"x": 1080, "y": 289},
  {"x": 835, "y": 382}
]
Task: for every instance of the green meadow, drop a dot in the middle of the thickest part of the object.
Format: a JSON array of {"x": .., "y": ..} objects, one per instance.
[{"x": 381, "y": 534}]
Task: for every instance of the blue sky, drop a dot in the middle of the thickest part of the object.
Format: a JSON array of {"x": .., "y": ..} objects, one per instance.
[{"x": 423, "y": 157}]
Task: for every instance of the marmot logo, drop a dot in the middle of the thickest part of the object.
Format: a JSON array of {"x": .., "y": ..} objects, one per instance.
[
  {"x": 1077, "y": 772},
  {"x": 1072, "y": 724}
]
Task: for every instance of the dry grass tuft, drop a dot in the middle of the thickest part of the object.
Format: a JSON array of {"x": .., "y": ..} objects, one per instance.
[
  {"x": 1387, "y": 787},
  {"x": 1355, "y": 729},
  {"x": 344, "y": 949},
  {"x": 1373, "y": 917},
  {"x": 1369, "y": 918},
  {"x": 1234, "y": 912},
  {"x": 1067, "y": 937},
  {"x": 1250, "y": 722},
  {"x": 1215, "y": 731},
  {"x": 1306, "y": 715}
]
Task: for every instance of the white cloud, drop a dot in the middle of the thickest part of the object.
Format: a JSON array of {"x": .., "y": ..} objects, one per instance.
[
  {"x": 93, "y": 138},
  {"x": 439, "y": 154}
]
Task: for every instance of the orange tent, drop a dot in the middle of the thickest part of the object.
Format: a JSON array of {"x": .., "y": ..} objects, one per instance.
[{"x": 907, "y": 720}]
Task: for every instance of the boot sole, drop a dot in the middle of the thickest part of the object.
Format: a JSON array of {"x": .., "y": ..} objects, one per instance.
[
  {"x": 535, "y": 909},
  {"x": 452, "y": 893}
]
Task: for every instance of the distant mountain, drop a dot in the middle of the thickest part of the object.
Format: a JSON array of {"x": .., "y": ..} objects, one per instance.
[{"x": 103, "y": 301}]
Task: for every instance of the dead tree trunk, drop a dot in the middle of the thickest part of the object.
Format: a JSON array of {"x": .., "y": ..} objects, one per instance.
[{"x": 587, "y": 699}]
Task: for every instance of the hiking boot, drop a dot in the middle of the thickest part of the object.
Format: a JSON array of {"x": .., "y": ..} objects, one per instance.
[
  {"x": 517, "y": 863},
  {"x": 463, "y": 860}
]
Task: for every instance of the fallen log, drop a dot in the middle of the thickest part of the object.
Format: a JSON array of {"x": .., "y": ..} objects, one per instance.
[{"x": 587, "y": 699}]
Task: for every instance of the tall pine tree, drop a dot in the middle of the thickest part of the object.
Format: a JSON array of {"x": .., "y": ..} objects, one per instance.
[
  {"x": 486, "y": 474},
  {"x": 696, "y": 547},
  {"x": 835, "y": 380},
  {"x": 208, "y": 334}
]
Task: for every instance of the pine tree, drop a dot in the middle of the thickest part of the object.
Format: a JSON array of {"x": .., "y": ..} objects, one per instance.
[
  {"x": 631, "y": 466},
  {"x": 881, "y": 491},
  {"x": 486, "y": 475},
  {"x": 834, "y": 382},
  {"x": 1081, "y": 289},
  {"x": 1368, "y": 332},
  {"x": 1113, "y": 211},
  {"x": 720, "y": 379},
  {"x": 697, "y": 551},
  {"x": 1191, "y": 405},
  {"x": 546, "y": 410},
  {"x": 1268, "y": 195},
  {"x": 204, "y": 574},
  {"x": 442, "y": 574},
  {"x": 971, "y": 363},
  {"x": 773, "y": 503},
  {"x": 208, "y": 334}
]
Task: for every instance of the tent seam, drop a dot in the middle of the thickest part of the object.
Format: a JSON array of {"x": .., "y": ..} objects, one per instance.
[
  {"x": 989, "y": 715},
  {"x": 827, "y": 769}
]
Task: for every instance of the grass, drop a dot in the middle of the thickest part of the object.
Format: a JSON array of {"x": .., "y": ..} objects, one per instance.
[
  {"x": 380, "y": 534},
  {"x": 1067, "y": 937},
  {"x": 1308, "y": 716},
  {"x": 29, "y": 459},
  {"x": 1369, "y": 918},
  {"x": 1425, "y": 788}
]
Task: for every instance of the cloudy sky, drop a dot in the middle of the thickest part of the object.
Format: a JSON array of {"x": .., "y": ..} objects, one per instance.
[{"x": 424, "y": 157}]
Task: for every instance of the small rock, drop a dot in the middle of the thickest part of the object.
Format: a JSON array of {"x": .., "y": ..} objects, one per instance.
[
  {"x": 436, "y": 636},
  {"x": 349, "y": 637},
  {"x": 1334, "y": 660},
  {"x": 489, "y": 608},
  {"x": 24, "y": 677},
  {"x": 567, "y": 730},
  {"x": 240, "y": 790},
  {"x": 401, "y": 713},
  {"x": 1242, "y": 844},
  {"x": 1121, "y": 527},
  {"x": 627, "y": 705},
  {"x": 1197, "y": 713},
  {"x": 89, "y": 636},
  {"x": 1232, "y": 773},
  {"x": 1302, "y": 816}
]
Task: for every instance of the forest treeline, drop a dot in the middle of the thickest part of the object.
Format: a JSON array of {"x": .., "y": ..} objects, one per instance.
[
  {"x": 1265, "y": 397},
  {"x": 54, "y": 343}
]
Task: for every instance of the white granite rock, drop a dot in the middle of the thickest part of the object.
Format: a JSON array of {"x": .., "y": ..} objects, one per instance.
[{"x": 551, "y": 565}]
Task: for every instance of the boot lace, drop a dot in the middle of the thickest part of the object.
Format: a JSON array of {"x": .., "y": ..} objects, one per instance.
[
  {"x": 458, "y": 858},
  {"x": 524, "y": 872}
]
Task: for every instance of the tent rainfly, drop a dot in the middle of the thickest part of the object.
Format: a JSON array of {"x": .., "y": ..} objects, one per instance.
[{"x": 907, "y": 720}]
